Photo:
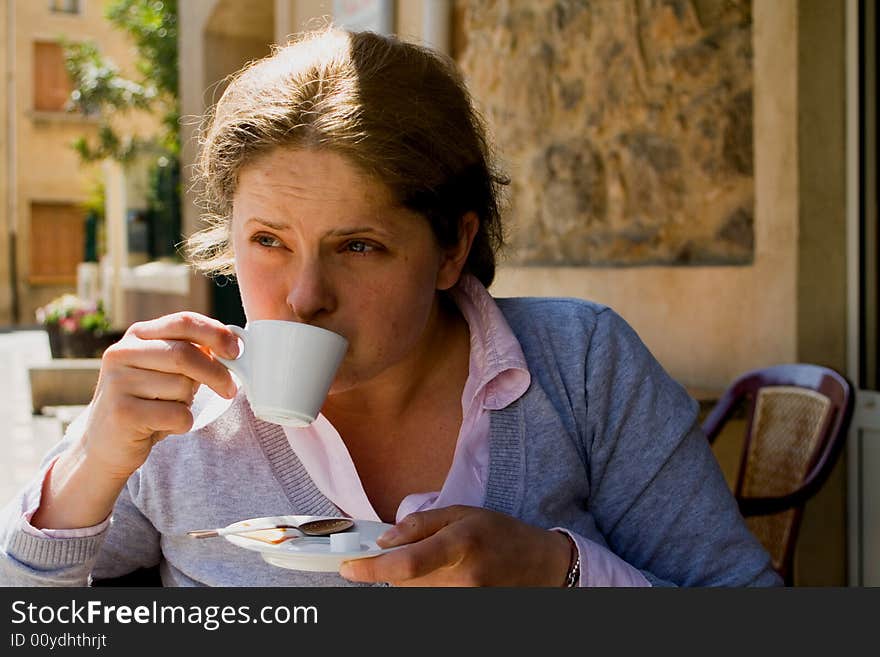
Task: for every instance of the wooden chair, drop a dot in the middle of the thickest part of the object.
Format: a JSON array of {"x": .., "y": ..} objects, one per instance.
[{"x": 797, "y": 418}]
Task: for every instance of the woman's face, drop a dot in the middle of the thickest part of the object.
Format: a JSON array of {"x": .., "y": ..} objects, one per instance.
[{"x": 317, "y": 241}]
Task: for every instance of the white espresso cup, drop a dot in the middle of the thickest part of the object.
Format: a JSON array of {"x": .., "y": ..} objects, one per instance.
[{"x": 286, "y": 368}]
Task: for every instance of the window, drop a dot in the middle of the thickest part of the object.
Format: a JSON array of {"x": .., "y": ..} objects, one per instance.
[
  {"x": 64, "y": 6},
  {"x": 57, "y": 242},
  {"x": 52, "y": 85}
]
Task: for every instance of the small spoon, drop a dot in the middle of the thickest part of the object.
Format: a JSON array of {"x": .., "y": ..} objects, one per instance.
[{"x": 321, "y": 527}]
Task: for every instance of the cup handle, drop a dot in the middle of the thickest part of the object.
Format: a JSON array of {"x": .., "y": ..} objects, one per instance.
[{"x": 241, "y": 365}]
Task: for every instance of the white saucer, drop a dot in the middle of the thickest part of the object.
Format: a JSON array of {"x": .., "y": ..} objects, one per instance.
[{"x": 309, "y": 553}]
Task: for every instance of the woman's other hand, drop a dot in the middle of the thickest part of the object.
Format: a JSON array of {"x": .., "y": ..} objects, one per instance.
[{"x": 465, "y": 546}]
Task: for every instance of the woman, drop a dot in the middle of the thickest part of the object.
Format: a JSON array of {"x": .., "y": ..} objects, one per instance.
[{"x": 513, "y": 442}]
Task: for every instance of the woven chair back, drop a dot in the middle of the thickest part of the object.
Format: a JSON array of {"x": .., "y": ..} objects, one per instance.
[{"x": 786, "y": 439}]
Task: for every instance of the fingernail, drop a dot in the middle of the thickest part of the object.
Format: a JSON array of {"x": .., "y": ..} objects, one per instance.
[
  {"x": 346, "y": 570},
  {"x": 389, "y": 536},
  {"x": 232, "y": 348},
  {"x": 231, "y": 390}
]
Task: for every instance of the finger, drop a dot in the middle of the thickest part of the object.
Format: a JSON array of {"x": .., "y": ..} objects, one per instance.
[
  {"x": 151, "y": 384},
  {"x": 405, "y": 563},
  {"x": 172, "y": 357},
  {"x": 421, "y": 524},
  {"x": 191, "y": 327},
  {"x": 151, "y": 417},
  {"x": 159, "y": 436}
]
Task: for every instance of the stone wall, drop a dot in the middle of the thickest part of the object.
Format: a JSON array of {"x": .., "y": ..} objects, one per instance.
[{"x": 625, "y": 126}]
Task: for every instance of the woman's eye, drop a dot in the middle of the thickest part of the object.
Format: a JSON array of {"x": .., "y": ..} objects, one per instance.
[
  {"x": 266, "y": 240},
  {"x": 359, "y": 246}
]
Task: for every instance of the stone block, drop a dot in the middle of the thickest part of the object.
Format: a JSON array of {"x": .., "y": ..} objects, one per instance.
[
  {"x": 63, "y": 382},
  {"x": 626, "y": 127}
]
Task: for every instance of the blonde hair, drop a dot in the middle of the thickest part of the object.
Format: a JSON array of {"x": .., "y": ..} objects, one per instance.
[{"x": 400, "y": 112}]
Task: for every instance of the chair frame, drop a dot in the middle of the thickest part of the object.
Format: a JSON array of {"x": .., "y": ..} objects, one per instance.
[{"x": 823, "y": 380}]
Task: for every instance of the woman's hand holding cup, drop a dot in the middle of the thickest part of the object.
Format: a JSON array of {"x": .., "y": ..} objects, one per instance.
[
  {"x": 147, "y": 384},
  {"x": 145, "y": 389}
]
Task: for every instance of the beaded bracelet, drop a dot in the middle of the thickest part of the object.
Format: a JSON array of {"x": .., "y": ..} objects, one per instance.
[
  {"x": 572, "y": 579},
  {"x": 573, "y": 576}
]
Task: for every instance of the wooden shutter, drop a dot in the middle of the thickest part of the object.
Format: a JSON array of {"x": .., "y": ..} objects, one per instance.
[
  {"x": 57, "y": 239},
  {"x": 52, "y": 84}
]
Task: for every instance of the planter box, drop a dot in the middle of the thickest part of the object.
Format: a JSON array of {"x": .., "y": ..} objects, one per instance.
[
  {"x": 80, "y": 344},
  {"x": 63, "y": 382}
]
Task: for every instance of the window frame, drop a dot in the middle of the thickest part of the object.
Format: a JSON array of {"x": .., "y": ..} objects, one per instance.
[{"x": 56, "y": 7}]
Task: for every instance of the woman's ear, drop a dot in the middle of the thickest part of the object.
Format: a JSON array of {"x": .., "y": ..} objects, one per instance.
[{"x": 453, "y": 259}]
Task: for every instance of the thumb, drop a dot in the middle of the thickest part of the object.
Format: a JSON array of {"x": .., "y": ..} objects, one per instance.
[{"x": 419, "y": 525}]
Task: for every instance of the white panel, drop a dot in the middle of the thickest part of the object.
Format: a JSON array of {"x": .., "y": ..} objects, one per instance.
[
  {"x": 374, "y": 15},
  {"x": 870, "y": 451},
  {"x": 863, "y": 491}
]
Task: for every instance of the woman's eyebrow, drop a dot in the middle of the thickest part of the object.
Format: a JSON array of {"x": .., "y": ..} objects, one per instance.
[
  {"x": 356, "y": 230},
  {"x": 337, "y": 232},
  {"x": 269, "y": 224}
]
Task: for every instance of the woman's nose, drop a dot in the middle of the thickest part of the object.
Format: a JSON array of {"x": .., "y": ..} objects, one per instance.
[{"x": 311, "y": 293}]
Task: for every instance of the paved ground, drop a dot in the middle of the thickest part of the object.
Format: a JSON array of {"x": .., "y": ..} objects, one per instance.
[{"x": 24, "y": 437}]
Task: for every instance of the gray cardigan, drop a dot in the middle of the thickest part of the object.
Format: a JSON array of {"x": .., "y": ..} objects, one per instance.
[{"x": 603, "y": 443}]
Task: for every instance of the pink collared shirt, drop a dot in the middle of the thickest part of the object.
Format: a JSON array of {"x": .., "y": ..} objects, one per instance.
[{"x": 498, "y": 375}]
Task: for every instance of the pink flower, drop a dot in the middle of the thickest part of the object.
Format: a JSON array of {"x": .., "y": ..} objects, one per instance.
[{"x": 69, "y": 324}]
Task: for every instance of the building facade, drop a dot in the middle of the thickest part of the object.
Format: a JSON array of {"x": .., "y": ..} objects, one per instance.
[{"x": 44, "y": 184}]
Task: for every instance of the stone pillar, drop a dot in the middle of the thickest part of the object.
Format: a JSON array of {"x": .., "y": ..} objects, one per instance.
[
  {"x": 192, "y": 17},
  {"x": 117, "y": 241},
  {"x": 436, "y": 24}
]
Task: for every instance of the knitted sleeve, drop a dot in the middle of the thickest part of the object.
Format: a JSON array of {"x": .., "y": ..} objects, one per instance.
[
  {"x": 130, "y": 542},
  {"x": 657, "y": 491}
]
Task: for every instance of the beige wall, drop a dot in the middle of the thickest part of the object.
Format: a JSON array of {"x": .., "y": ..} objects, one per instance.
[
  {"x": 45, "y": 166},
  {"x": 408, "y": 20}
]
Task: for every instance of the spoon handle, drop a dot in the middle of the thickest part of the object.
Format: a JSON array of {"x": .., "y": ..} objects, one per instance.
[
  {"x": 203, "y": 533},
  {"x": 211, "y": 533}
]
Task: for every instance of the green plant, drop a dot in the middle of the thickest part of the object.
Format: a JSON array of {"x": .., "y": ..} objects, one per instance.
[{"x": 100, "y": 89}]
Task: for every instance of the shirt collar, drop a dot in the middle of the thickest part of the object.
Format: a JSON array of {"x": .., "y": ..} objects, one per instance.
[{"x": 498, "y": 370}]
